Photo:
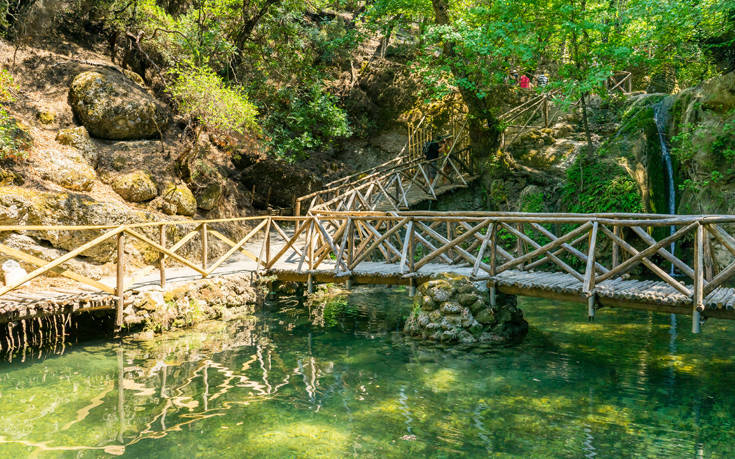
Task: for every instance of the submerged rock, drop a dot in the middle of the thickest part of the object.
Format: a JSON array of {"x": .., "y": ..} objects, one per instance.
[
  {"x": 111, "y": 106},
  {"x": 452, "y": 310}
]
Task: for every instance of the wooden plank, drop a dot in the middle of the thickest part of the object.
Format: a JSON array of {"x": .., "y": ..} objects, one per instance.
[
  {"x": 452, "y": 244},
  {"x": 379, "y": 241},
  {"x": 175, "y": 256},
  {"x": 627, "y": 264},
  {"x": 683, "y": 267},
  {"x": 545, "y": 249}
]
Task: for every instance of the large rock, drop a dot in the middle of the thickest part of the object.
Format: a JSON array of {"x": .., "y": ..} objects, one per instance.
[
  {"x": 208, "y": 196},
  {"x": 452, "y": 310},
  {"x": 24, "y": 206},
  {"x": 111, "y": 106},
  {"x": 136, "y": 186},
  {"x": 69, "y": 169},
  {"x": 176, "y": 199}
]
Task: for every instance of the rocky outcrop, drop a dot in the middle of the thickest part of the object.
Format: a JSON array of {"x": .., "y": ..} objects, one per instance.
[
  {"x": 136, "y": 186},
  {"x": 701, "y": 124},
  {"x": 78, "y": 137},
  {"x": 111, "y": 106},
  {"x": 66, "y": 168},
  {"x": 24, "y": 206},
  {"x": 208, "y": 196},
  {"x": 452, "y": 310}
]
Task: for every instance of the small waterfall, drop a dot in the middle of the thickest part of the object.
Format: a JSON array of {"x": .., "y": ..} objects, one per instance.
[{"x": 659, "y": 115}]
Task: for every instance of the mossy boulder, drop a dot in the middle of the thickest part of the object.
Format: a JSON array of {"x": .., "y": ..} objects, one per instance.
[
  {"x": 78, "y": 137},
  {"x": 111, "y": 106},
  {"x": 177, "y": 199},
  {"x": 136, "y": 186},
  {"x": 46, "y": 117},
  {"x": 453, "y": 310},
  {"x": 208, "y": 197}
]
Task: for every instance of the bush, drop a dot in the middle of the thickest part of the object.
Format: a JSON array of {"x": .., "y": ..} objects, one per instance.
[
  {"x": 14, "y": 140},
  {"x": 595, "y": 186},
  {"x": 203, "y": 96},
  {"x": 305, "y": 122}
]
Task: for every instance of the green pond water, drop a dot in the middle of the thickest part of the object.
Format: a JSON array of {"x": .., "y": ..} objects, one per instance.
[{"x": 290, "y": 382}]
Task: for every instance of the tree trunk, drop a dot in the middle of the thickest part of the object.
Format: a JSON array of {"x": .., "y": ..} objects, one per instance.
[{"x": 484, "y": 128}]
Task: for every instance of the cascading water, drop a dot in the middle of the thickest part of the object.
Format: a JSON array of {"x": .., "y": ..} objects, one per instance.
[{"x": 659, "y": 116}]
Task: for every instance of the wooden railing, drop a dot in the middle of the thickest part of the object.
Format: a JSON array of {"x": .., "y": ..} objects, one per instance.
[
  {"x": 621, "y": 81},
  {"x": 369, "y": 190},
  {"x": 594, "y": 250},
  {"x": 589, "y": 248}
]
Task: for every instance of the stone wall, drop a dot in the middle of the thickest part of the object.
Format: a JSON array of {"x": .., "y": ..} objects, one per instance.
[
  {"x": 453, "y": 310},
  {"x": 179, "y": 306}
]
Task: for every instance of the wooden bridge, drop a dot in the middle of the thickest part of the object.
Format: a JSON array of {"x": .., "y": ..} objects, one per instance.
[{"x": 606, "y": 260}]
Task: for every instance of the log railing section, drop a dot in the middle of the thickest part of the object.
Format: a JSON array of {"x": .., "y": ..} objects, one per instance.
[
  {"x": 595, "y": 252},
  {"x": 387, "y": 187},
  {"x": 621, "y": 81}
]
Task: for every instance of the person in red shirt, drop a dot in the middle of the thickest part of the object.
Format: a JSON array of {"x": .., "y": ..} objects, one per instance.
[{"x": 525, "y": 82}]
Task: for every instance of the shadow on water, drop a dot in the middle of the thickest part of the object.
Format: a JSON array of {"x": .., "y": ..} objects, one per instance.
[{"x": 289, "y": 382}]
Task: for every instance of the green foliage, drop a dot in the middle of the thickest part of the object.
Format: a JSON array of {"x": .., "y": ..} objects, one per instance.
[
  {"x": 14, "y": 140},
  {"x": 305, "y": 122},
  {"x": 533, "y": 203},
  {"x": 203, "y": 96},
  {"x": 595, "y": 186}
]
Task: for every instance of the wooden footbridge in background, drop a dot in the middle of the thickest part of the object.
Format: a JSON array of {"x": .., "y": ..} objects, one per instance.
[{"x": 605, "y": 260}]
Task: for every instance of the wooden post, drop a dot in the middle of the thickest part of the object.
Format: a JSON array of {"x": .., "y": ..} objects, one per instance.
[
  {"x": 267, "y": 241},
  {"x": 546, "y": 111},
  {"x": 519, "y": 244},
  {"x": 309, "y": 283},
  {"x": 630, "y": 83},
  {"x": 589, "y": 274},
  {"x": 698, "y": 295},
  {"x": 709, "y": 265},
  {"x": 411, "y": 257},
  {"x": 493, "y": 263},
  {"x": 162, "y": 262},
  {"x": 615, "y": 248},
  {"x": 412, "y": 287},
  {"x": 120, "y": 290},
  {"x": 297, "y": 208},
  {"x": 449, "y": 238},
  {"x": 205, "y": 243}
]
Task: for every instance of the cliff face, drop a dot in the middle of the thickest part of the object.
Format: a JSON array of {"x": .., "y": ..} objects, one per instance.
[{"x": 702, "y": 132}]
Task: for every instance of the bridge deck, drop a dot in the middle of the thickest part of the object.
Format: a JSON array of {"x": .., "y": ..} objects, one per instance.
[{"x": 636, "y": 294}]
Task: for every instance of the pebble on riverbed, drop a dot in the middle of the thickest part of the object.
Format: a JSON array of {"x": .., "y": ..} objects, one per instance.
[{"x": 453, "y": 310}]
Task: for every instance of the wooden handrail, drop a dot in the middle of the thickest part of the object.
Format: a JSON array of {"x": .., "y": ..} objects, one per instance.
[{"x": 343, "y": 241}]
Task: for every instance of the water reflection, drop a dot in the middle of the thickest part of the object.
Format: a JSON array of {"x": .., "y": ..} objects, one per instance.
[{"x": 278, "y": 385}]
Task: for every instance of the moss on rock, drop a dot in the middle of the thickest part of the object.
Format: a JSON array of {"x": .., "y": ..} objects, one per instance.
[
  {"x": 452, "y": 310},
  {"x": 111, "y": 106},
  {"x": 136, "y": 186}
]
